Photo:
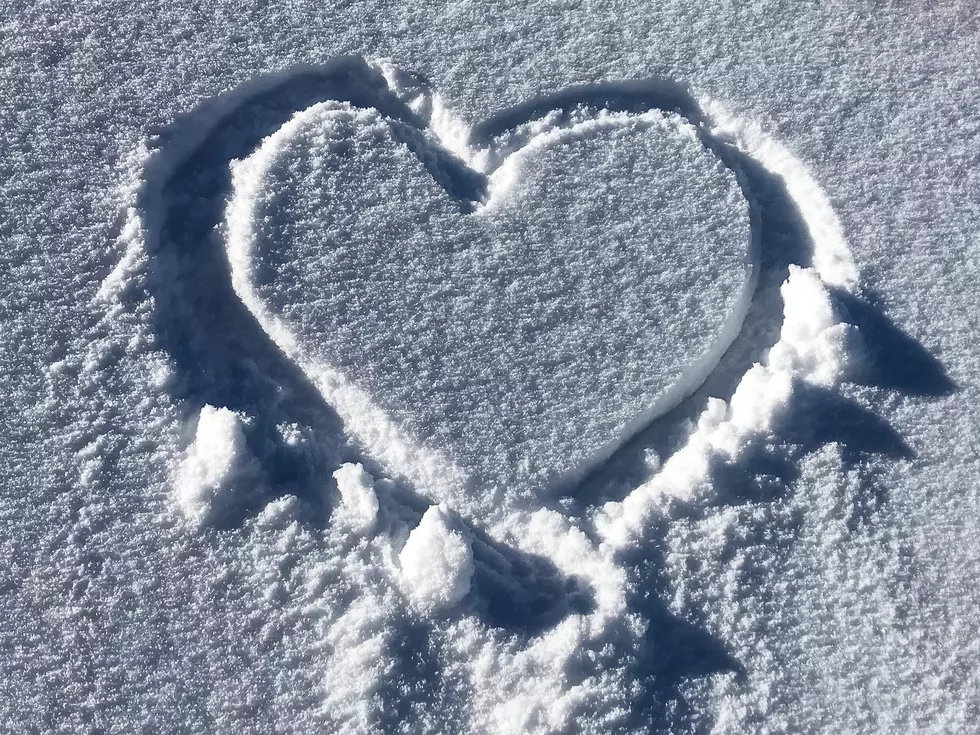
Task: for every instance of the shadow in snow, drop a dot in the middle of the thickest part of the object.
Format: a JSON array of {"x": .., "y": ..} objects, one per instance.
[
  {"x": 673, "y": 650},
  {"x": 892, "y": 359},
  {"x": 822, "y": 416},
  {"x": 766, "y": 472},
  {"x": 522, "y": 592},
  {"x": 762, "y": 474},
  {"x": 416, "y": 691}
]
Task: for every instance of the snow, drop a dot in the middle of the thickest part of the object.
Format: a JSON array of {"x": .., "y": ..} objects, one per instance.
[
  {"x": 436, "y": 561},
  {"x": 445, "y": 339},
  {"x": 264, "y": 471},
  {"x": 217, "y": 460},
  {"x": 360, "y": 502}
]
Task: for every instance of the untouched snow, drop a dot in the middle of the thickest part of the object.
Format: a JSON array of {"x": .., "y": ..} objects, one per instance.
[{"x": 221, "y": 515}]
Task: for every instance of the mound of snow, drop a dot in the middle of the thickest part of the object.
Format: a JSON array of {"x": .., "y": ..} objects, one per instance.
[
  {"x": 436, "y": 561},
  {"x": 359, "y": 509},
  {"x": 215, "y": 462}
]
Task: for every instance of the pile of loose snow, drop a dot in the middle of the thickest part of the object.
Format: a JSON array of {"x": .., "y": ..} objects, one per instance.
[
  {"x": 436, "y": 561},
  {"x": 217, "y": 460},
  {"x": 360, "y": 503}
]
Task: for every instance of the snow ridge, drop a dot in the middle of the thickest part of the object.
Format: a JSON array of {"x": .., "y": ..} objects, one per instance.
[{"x": 812, "y": 345}]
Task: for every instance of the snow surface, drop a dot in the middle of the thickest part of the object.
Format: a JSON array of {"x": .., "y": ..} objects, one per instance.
[{"x": 214, "y": 522}]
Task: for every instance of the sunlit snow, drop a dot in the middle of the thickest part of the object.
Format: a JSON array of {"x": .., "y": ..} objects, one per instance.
[{"x": 496, "y": 368}]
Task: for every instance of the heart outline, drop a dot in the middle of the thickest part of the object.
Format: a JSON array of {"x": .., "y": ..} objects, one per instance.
[{"x": 382, "y": 437}]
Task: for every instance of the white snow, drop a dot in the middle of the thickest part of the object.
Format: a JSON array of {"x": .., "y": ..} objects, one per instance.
[
  {"x": 360, "y": 502},
  {"x": 436, "y": 561},
  {"x": 463, "y": 350},
  {"x": 290, "y": 402},
  {"x": 217, "y": 462}
]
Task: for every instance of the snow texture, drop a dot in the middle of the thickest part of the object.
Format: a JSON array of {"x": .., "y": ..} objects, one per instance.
[{"x": 285, "y": 450}]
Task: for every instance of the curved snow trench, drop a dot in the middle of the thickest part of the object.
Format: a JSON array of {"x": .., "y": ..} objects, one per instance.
[{"x": 454, "y": 258}]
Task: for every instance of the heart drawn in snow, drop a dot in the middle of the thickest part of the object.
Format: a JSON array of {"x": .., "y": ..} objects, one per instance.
[{"x": 492, "y": 353}]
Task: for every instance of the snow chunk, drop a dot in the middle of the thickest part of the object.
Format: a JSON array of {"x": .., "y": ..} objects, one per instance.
[
  {"x": 812, "y": 342},
  {"x": 436, "y": 562},
  {"x": 360, "y": 503},
  {"x": 216, "y": 460}
]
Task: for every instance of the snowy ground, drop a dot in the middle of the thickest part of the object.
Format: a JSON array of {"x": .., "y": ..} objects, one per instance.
[{"x": 490, "y": 367}]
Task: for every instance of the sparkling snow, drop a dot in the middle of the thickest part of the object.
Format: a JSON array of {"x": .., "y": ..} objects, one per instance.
[{"x": 282, "y": 455}]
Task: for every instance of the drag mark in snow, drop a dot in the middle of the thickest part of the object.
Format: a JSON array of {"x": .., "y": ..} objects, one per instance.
[
  {"x": 811, "y": 342},
  {"x": 431, "y": 469}
]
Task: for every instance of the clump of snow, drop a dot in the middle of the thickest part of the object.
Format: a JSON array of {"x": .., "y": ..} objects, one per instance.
[
  {"x": 812, "y": 342},
  {"x": 359, "y": 638},
  {"x": 216, "y": 461},
  {"x": 360, "y": 503},
  {"x": 436, "y": 561}
]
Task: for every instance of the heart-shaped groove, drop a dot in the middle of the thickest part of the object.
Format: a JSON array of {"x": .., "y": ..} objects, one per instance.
[
  {"x": 487, "y": 359},
  {"x": 176, "y": 202}
]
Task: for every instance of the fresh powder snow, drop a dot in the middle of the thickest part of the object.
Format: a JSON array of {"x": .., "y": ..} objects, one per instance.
[{"x": 490, "y": 368}]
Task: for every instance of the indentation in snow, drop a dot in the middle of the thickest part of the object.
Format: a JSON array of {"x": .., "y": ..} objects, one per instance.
[{"x": 487, "y": 357}]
